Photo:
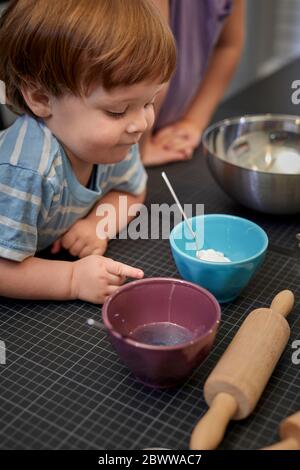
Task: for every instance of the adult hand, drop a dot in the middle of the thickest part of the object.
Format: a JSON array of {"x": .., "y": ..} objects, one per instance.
[
  {"x": 154, "y": 153},
  {"x": 182, "y": 136}
]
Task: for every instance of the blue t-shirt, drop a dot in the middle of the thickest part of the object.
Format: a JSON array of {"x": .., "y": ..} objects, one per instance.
[{"x": 40, "y": 196}]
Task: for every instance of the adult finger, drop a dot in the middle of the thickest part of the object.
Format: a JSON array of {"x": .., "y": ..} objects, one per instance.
[
  {"x": 167, "y": 131},
  {"x": 175, "y": 156},
  {"x": 188, "y": 151},
  {"x": 165, "y": 140},
  {"x": 163, "y": 157},
  {"x": 177, "y": 145}
]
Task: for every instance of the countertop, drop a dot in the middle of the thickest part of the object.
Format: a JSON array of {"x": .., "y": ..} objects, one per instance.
[{"x": 63, "y": 386}]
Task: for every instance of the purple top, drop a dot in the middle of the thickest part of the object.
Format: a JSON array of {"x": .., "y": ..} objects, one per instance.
[{"x": 196, "y": 25}]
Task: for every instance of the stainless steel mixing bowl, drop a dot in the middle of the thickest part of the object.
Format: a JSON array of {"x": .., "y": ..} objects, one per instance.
[{"x": 256, "y": 160}]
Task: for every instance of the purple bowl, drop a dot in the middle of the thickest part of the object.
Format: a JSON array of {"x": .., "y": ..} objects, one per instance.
[{"x": 138, "y": 304}]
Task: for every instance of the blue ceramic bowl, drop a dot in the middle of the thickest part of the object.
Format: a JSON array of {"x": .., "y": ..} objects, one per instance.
[{"x": 242, "y": 241}]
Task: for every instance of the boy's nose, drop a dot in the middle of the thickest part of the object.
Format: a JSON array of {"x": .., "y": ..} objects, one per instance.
[{"x": 138, "y": 124}]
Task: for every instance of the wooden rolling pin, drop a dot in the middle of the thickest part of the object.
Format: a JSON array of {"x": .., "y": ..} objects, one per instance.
[
  {"x": 289, "y": 432},
  {"x": 239, "y": 378}
]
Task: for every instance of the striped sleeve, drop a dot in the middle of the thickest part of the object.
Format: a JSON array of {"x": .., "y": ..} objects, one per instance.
[
  {"x": 23, "y": 206},
  {"x": 129, "y": 175}
]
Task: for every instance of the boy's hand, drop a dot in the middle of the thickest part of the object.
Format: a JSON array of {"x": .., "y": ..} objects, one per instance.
[
  {"x": 95, "y": 278},
  {"x": 81, "y": 240}
]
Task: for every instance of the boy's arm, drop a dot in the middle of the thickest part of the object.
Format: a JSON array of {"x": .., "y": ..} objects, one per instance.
[
  {"x": 92, "y": 279},
  {"x": 85, "y": 237},
  {"x": 36, "y": 278},
  {"x": 90, "y": 235},
  {"x": 122, "y": 218}
]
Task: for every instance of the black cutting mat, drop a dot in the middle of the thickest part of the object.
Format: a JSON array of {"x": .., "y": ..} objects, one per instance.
[{"x": 63, "y": 386}]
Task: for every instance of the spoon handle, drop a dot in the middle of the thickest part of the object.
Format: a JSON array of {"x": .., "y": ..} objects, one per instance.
[
  {"x": 95, "y": 324},
  {"x": 179, "y": 206}
]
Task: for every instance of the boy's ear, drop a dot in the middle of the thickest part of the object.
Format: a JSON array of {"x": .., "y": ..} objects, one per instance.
[{"x": 37, "y": 100}]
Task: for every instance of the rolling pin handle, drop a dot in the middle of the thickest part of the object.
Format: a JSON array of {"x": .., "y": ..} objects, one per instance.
[
  {"x": 210, "y": 430},
  {"x": 289, "y": 431},
  {"x": 287, "y": 444},
  {"x": 283, "y": 302}
]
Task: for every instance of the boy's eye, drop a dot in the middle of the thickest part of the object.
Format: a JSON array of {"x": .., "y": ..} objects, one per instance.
[{"x": 115, "y": 115}]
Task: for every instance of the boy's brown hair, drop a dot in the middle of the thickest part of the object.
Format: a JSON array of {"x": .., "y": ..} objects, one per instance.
[{"x": 69, "y": 45}]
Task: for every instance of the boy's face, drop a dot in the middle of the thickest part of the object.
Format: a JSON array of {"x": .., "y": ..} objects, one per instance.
[{"x": 102, "y": 127}]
